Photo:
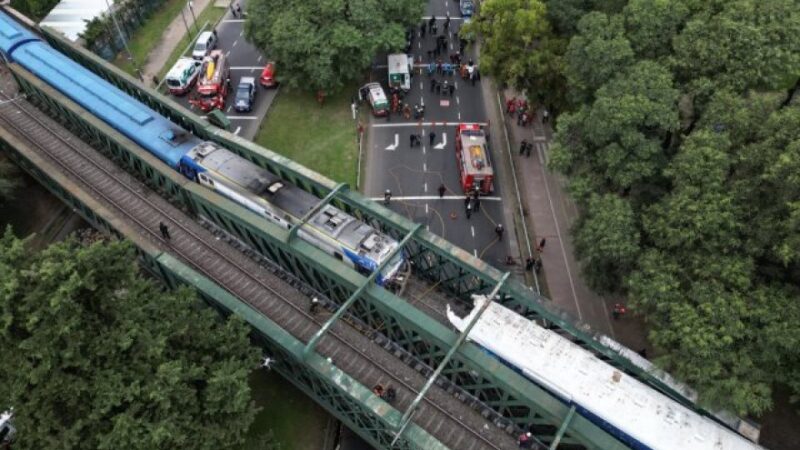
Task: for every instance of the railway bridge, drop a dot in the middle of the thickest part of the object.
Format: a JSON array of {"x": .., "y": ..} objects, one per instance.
[{"x": 450, "y": 394}]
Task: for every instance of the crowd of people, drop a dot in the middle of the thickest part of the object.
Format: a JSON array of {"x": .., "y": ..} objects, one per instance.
[{"x": 525, "y": 113}]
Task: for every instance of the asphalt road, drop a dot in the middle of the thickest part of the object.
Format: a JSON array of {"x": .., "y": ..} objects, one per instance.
[
  {"x": 245, "y": 60},
  {"x": 414, "y": 174}
]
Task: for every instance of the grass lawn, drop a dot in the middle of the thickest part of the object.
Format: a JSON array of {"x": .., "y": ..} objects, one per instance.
[
  {"x": 146, "y": 37},
  {"x": 211, "y": 15},
  {"x": 321, "y": 138},
  {"x": 296, "y": 421}
]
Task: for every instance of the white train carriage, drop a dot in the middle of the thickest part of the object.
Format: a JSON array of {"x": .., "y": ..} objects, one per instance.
[
  {"x": 637, "y": 415},
  {"x": 330, "y": 229}
]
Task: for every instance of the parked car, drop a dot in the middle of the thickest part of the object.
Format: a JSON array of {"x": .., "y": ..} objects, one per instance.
[
  {"x": 245, "y": 94},
  {"x": 182, "y": 76},
  {"x": 268, "y": 76},
  {"x": 206, "y": 42}
]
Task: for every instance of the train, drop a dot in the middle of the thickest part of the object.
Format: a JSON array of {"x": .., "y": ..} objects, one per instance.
[
  {"x": 635, "y": 414},
  {"x": 337, "y": 233}
]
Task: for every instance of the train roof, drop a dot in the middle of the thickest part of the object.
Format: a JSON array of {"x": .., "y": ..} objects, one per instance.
[
  {"x": 578, "y": 377},
  {"x": 158, "y": 135},
  {"x": 13, "y": 34}
]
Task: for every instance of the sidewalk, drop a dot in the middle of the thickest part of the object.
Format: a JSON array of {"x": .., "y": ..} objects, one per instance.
[
  {"x": 550, "y": 213},
  {"x": 173, "y": 35}
]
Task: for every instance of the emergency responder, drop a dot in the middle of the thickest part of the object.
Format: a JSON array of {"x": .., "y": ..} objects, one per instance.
[
  {"x": 499, "y": 230},
  {"x": 387, "y": 196}
]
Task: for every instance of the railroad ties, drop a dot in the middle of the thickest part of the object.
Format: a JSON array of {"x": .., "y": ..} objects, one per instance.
[{"x": 443, "y": 414}]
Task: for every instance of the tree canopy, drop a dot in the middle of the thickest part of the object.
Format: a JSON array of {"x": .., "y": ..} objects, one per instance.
[
  {"x": 323, "y": 45},
  {"x": 682, "y": 149},
  {"x": 95, "y": 356}
]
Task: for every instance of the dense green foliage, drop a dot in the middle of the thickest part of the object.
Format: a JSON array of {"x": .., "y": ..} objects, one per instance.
[
  {"x": 95, "y": 356},
  {"x": 324, "y": 44},
  {"x": 35, "y": 9},
  {"x": 684, "y": 153}
]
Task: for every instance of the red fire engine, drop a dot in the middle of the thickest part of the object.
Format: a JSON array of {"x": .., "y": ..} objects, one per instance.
[
  {"x": 213, "y": 82},
  {"x": 474, "y": 164}
]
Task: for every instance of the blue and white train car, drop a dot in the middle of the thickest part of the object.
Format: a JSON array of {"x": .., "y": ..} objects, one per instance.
[
  {"x": 330, "y": 229},
  {"x": 634, "y": 413}
]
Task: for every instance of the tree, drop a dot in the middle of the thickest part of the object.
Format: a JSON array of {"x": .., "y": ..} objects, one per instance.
[
  {"x": 607, "y": 241},
  {"x": 35, "y": 9},
  {"x": 683, "y": 151},
  {"x": 596, "y": 53},
  {"x": 323, "y": 45},
  {"x": 511, "y": 30},
  {"x": 95, "y": 356}
]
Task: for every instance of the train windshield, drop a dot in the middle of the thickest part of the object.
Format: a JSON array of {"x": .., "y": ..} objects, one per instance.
[{"x": 393, "y": 267}]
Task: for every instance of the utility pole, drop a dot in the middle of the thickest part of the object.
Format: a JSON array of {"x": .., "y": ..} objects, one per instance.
[
  {"x": 191, "y": 9},
  {"x": 188, "y": 31}
]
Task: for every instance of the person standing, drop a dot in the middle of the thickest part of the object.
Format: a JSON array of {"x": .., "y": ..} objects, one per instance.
[
  {"x": 541, "y": 245},
  {"x": 238, "y": 10},
  {"x": 525, "y": 440},
  {"x": 528, "y": 149},
  {"x": 387, "y": 197},
  {"x": 433, "y": 84},
  {"x": 314, "y": 305},
  {"x": 431, "y": 23},
  {"x": 164, "y": 229},
  {"x": 476, "y": 199},
  {"x": 537, "y": 265},
  {"x": 618, "y": 311},
  {"x": 442, "y": 190},
  {"x": 522, "y": 146},
  {"x": 469, "y": 208},
  {"x": 233, "y": 10},
  {"x": 447, "y": 21},
  {"x": 432, "y": 137},
  {"x": 529, "y": 263},
  {"x": 411, "y": 139},
  {"x": 545, "y": 116},
  {"x": 422, "y": 30},
  {"x": 499, "y": 229}
]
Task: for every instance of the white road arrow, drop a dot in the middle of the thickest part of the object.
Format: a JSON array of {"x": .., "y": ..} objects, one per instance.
[
  {"x": 443, "y": 143},
  {"x": 392, "y": 147}
]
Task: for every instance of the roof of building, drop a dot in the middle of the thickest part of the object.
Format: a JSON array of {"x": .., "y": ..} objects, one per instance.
[{"x": 71, "y": 16}]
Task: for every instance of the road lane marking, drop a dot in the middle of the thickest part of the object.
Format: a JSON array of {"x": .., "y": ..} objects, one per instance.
[
  {"x": 436, "y": 197},
  {"x": 424, "y": 168},
  {"x": 443, "y": 143},
  {"x": 259, "y": 58},
  {"x": 424, "y": 124},
  {"x": 475, "y": 252},
  {"x": 393, "y": 147},
  {"x": 472, "y": 229},
  {"x": 244, "y": 67},
  {"x": 228, "y": 53},
  {"x": 238, "y": 129},
  {"x": 459, "y": 115},
  {"x": 233, "y": 21},
  {"x": 426, "y": 209},
  {"x": 229, "y": 108},
  {"x": 234, "y": 43},
  {"x": 458, "y": 102},
  {"x": 241, "y": 33},
  {"x": 244, "y": 118},
  {"x": 426, "y": 187}
]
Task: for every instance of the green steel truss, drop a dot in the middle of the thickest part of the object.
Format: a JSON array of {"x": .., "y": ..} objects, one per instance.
[
  {"x": 454, "y": 271},
  {"x": 342, "y": 396},
  {"x": 479, "y": 380}
]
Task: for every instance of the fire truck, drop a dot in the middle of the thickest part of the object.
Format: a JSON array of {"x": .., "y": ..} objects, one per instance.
[
  {"x": 474, "y": 165},
  {"x": 213, "y": 82}
]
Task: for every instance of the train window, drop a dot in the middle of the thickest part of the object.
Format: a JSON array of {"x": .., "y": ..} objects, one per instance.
[{"x": 337, "y": 255}]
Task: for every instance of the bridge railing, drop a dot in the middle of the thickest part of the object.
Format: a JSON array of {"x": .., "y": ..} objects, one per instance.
[{"x": 478, "y": 379}]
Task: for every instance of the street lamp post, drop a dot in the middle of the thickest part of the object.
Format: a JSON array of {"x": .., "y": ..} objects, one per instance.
[
  {"x": 185, "y": 23},
  {"x": 191, "y": 9}
]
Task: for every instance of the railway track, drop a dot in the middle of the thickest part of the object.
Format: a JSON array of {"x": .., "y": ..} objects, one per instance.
[{"x": 440, "y": 414}]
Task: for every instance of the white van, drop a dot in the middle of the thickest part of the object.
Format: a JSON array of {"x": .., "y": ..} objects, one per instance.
[
  {"x": 206, "y": 42},
  {"x": 400, "y": 69},
  {"x": 182, "y": 76}
]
